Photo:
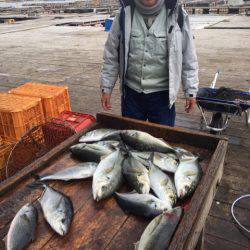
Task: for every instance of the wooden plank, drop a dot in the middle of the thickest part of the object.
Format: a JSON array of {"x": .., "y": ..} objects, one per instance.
[
  {"x": 226, "y": 231},
  {"x": 222, "y": 211},
  {"x": 129, "y": 234},
  {"x": 228, "y": 196},
  {"x": 200, "y": 243},
  {"x": 193, "y": 220},
  {"x": 212, "y": 242}
]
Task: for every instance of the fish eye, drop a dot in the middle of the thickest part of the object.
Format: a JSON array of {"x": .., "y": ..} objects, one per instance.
[{"x": 63, "y": 220}]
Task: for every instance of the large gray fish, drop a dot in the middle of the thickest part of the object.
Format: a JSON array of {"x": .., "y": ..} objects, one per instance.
[
  {"x": 100, "y": 134},
  {"x": 108, "y": 176},
  {"x": 145, "y": 205},
  {"x": 186, "y": 177},
  {"x": 160, "y": 230},
  {"x": 90, "y": 152},
  {"x": 80, "y": 171},
  {"x": 144, "y": 142},
  {"x": 22, "y": 228},
  {"x": 162, "y": 185},
  {"x": 136, "y": 174},
  {"x": 57, "y": 209},
  {"x": 166, "y": 162}
]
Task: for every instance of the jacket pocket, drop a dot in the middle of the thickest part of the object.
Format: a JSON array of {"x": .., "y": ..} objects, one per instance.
[
  {"x": 136, "y": 39},
  {"x": 161, "y": 43}
]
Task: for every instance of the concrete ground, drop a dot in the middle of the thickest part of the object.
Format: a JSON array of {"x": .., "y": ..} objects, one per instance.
[{"x": 37, "y": 50}]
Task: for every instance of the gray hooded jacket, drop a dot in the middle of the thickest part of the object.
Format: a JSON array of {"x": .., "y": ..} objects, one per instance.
[{"x": 183, "y": 65}]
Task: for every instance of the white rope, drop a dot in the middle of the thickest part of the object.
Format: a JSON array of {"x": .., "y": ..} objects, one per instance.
[{"x": 232, "y": 211}]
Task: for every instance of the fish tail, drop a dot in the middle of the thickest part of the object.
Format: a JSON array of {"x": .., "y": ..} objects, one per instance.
[
  {"x": 123, "y": 147},
  {"x": 151, "y": 157}
]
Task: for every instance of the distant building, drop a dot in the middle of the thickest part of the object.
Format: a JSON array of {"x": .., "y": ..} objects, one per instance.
[{"x": 235, "y": 2}]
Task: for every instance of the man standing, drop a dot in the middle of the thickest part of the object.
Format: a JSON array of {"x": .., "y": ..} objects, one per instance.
[{"x": 150, "y": 46}]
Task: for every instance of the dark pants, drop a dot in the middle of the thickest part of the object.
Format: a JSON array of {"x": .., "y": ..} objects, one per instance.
[{"x": 153, "y": 107}]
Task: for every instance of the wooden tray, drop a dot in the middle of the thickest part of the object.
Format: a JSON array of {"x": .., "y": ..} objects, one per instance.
[{"x": 103, "y": 225}]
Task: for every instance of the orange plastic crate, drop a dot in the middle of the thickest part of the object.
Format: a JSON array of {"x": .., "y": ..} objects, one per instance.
[
  {"x": 5, "y": 149},
  {"x": 18, "y": 114},
  {"x": 55, "y": 99}
]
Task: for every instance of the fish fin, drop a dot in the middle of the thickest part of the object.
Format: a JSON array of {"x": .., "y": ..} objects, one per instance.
[
  {"x": 136, "y": 244},
  {"x": 37, "y": 184}
]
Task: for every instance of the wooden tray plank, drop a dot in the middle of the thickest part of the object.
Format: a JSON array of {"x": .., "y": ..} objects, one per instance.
[{"x": 129, "y": 234}]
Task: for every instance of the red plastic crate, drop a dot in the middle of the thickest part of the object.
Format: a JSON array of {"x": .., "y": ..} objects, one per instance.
[{"x": 77, "y": 121}]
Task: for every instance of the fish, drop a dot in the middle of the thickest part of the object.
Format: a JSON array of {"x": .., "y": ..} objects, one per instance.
[
  {"x": 22, "y": 228},
  {"x": 162, "y": 185},
  {"x": 183, "y": 154},
  {"x": 57, "y": 208},
  {"x": 90, "y": 152},
  {"x": 166, "y": 162},
  {"x": 146, "y": 205},
  {"x": 187, "y": 177},
  {"x": 108, "y": 175},
  {"x": 143, "y": 141},
  {"x": 136, "y": 174},
  {"x": 100, "y": 134},
  {"x": 80, "y": 171},
  {"x": 160, "y": 230},
  {"x": 111, "y": 144}
]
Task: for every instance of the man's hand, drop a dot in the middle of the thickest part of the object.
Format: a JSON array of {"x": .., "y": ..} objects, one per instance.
[
  {"x": 105, "y": 99},
  {"x": 190, "y": 103}
]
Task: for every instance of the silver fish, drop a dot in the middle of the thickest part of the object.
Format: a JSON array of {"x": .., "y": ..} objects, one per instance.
[
  {"x": 111, "y": 144},
  {"x": 90, "y": 152},
  {"x": 80, "y": 171},
  {"x": 100, "y": 134},
  {"x": 160, "y": 230},
  {"x": 183, "y": 154},
  {"x": 166, "y": 162},
  {"x": 143, "y": 141},
  {"x": 186, "y": 177},
  {"x": 145, "y": 205},
  {"x": 22, "y": 228},
  {"x": 136, "y": 174},
  {"x": 57, "y": 209},
  {"x": 108, "y": 176},
  {"x": 162, "y": 185}
]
